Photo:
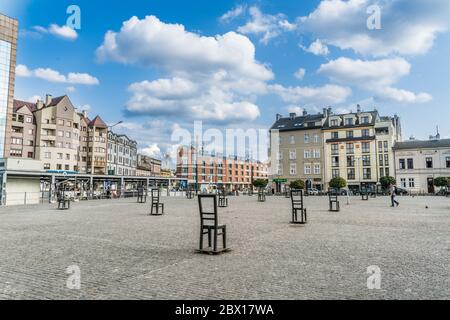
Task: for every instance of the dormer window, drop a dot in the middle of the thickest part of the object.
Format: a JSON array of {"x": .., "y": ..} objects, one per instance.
[
  {"x": 334, "y": 123},
  {"x": 365, "y": 120},
  {"x": 349, "y": 122}
]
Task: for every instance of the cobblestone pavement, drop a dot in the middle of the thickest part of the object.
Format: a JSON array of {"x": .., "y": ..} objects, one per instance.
[{"x": 123, "y": 253}]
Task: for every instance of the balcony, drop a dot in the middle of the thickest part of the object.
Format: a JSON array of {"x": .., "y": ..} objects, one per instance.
[{"x": 49, "y": 126}]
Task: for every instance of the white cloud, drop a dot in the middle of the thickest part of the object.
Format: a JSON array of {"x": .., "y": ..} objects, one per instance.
[
  {"x": 151, "y": 150},
  {"x": 300, "y": 74},
  {"x": 269, "y": 26},
  {"x": 295, "y": 109},
  {"x": 377, "y": 76},
  {"x": 318, "y": 96},
  {"x": 64, "y": 32},
  {"x": 51, "y": 75},
  {"x": 317, "y": 48},
  {"x": 409, "y": 27},
  {"x": 71, "y": 89},
  {"x": 233, "y": 13},
  {"x": 207, "y": 78}
]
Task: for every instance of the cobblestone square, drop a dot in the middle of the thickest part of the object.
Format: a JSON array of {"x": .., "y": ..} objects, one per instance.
[{"x": 123, "y": 253}]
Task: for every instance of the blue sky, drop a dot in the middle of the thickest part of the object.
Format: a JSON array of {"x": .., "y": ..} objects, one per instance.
[{"x": 235, "y": 64}]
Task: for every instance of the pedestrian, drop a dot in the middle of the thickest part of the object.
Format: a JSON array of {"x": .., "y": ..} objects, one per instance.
[{"x": 393, "y": 193}]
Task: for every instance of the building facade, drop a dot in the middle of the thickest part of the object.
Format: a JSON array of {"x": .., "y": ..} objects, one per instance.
[
  {"x": 56, "y": 134},
  {"x": 148, "y": 166},
  {"x": 418, "y": 163},
  {"x": 8, "y": 50},
  {"x": 122, "y": 155},
  {"x": 208, "y": 171},
  {"x": 296, "y": 149},
  {"x": 358, "y": 147}
]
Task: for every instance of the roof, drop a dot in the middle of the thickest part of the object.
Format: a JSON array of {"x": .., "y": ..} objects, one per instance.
[
  {"x": 297, "y": 123},
  {"x": 422, "y": 144},
  {"x": 55, "y": 101},
  {"x": 98, "y": 122},
  {"x": 19, "y": 104},
  {"x": 374, "y": 114}
]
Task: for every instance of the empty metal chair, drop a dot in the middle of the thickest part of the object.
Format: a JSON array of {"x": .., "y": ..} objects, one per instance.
[
  {"x": 157, "y": 207},
  {"x": 223, "y": 200},
  {"x": 209, "y": 225},
  {"x": 261, "y": 195},
  {"x": 63, "y": 202},
  {"x": 298, "y": 206},
  {"x": 142, "y": 195}
]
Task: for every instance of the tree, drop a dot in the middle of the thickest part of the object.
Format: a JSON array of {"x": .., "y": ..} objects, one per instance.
[
  {"x": 338, "y": 183},
  {"x": 297, "y": 185},
  {"x": 387, "y": 181},
  {"x": 441, "y": 182},
  {"x": 260, "y": 183}
]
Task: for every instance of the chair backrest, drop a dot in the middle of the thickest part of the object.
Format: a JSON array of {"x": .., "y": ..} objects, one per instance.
[
  {"x": 297, "y": 199},
  {"x": 207, "y": 204},
  {"x": 155, "y": 195},
  {"x": 333, "y": 195}
]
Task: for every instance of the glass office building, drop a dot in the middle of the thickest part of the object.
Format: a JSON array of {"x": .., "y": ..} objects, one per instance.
[{"x": 8, "y": 48}]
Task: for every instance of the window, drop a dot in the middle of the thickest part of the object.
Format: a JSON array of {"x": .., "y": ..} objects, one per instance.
[
  {"x": 366, "y": 161},
  {"x": 365, "y": 120},
  {"x": 306, "y": 138},
  {"x": 334, "y": 149},
  {"x": 365, "y": 146},
  {"x": 30, "y": 155},
  {"x": 317, "y": 169},
  {"x": 349, "y": 122},
  {"x": 402, "y": 164},
  {"x": 365, "y": 133},
  {"x": 280, "y": 169},
  {"x": 279, "y": 156},
  {"x": 307, "y": 154},
  {"x": 293, "y": 169},
  {"x": 69, "y": 124},
  {"x": 334, "y": 123},
  {"x": 60, "y": 122},
  {"x": 30, "y": 132},
  {"x": 15, "y": 153},
  {"x": 335, "y": 173},
  {"x": 316, "y": 138},
  {"x": 403, "y": 182},
  {"x": 60, "y": 133},
  {"x": 67, "y": 167},
  {"x": 291, "y": 140},
  {"x": 367, "y": 174},
  {"x": 350, "y": 161},
  {"x": 351, "y": 174},
  {"x": 410, "y": 164},
  {"x": 307, "y": 169},
  {"x": 380, "y": 146},
  {"x": 349, "y": 134},
  {"x": 67, "y": 156},
  {"x": 317, "y": 154},
  {"x": 59, "y": 166},
  {"x": 412, "y": 183},
  {"x": 381, "y": 172},
  {"x": 429, "y": 163},
  {"x": 16, "y": 141},
  {"x": 386, "y": 160},
  {"x": 60, "y": 156},
  {"x": 46, "y": 166},
  {"x": 47, "y": 155},
  {"x": 29, "y": 120},
  {"x": 335, "y": 161},
  {"x": 68, "y": 135},
  {"x": 387, "y": 171},
  {"x": 381, "y": 160},
  {"x": 385, "y": 143},
  {"x": 447, "y": 161},
  {"x": 292, "y": 154},
  {"x": 335, "y": 135},
  {"x": 350, "y": 148}
]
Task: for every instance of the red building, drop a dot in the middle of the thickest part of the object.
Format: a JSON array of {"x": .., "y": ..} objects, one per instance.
[{"x": 210, "y": 171}]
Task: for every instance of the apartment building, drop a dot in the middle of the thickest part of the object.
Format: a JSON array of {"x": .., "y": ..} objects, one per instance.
[
  {"x": 8, "y": 50},
  {"x": 419, "y": 162},
  {"x": 148, "y": 166},
  {"x": 23, "y": 130},
  {"x": 122, "y": 155},
  {"x": 358, "y": 146},
  {"x": 296, "y": 146},
  {"x": 212, "y": 170},
  {"x": 55, "y": 133}
]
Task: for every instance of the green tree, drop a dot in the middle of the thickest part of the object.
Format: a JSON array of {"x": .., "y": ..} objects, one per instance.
[
  {"x": 338, "y": 183},
  {"x": 260, "y": 183},
  {"x": 387, "y": 181},
  {"x": 441, "y": 182},
  {"x": 297, "y": 185}
]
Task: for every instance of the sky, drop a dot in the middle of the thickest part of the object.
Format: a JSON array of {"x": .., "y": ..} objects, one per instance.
[{"x": 158, "y": 66}]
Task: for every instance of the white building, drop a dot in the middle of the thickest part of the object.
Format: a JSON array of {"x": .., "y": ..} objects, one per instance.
[
  {"x": 122, "y": 155},
  {"x": 418, "y": 163}
]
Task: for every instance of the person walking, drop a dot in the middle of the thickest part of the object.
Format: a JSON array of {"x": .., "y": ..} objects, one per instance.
[{"x": 393, "y": 193}]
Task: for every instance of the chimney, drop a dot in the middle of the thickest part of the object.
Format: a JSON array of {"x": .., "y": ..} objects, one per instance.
[
  {"x": 358, "y": 108},
  {"x": 279, "y": 116},
  {"x": 305, "y": 113},
  {"x": 292, "y": 115},
  {"x": 48, "y": 99},
  {"x": 85, "y": 113},
  {"x": 39, "y": 104},
  {"x": 329, "y": 111}
]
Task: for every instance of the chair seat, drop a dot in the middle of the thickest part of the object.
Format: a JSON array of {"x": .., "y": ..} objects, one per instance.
[{"x": 213, "y": 227}]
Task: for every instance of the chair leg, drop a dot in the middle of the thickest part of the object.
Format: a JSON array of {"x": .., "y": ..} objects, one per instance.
[
  {"x": 209, "y": 238},
  {"x": 215, "y": 240},
  {"x": 201, "y": 238},
  {"x": 224, "y": 237}
]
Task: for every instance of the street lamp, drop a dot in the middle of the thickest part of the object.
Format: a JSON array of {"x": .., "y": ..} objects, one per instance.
[{"x": 115, "y": 125}]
